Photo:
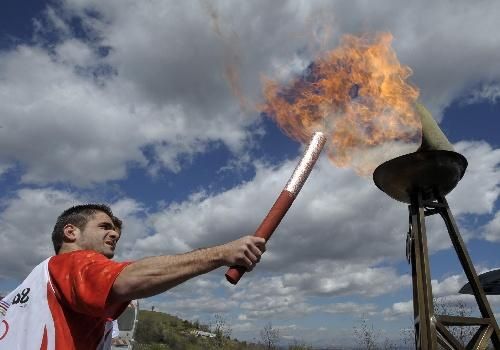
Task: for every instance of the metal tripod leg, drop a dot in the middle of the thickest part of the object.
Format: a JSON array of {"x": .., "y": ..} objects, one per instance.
[
  {"x": 470, "y": 272},
  {"x": 423, "y": 309}
]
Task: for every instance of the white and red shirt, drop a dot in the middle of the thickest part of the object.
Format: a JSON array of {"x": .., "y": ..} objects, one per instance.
[{"x": 62, "y": 305}]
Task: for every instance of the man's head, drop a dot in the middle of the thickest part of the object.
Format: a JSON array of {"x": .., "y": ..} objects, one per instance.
[{"x": 88, "y": 226}]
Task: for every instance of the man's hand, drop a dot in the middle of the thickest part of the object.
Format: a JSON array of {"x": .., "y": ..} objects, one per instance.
[{"x": 245, "y": 252}]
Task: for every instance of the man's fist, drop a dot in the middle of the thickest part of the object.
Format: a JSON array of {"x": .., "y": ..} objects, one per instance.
[{"x": 245, "y": 252}]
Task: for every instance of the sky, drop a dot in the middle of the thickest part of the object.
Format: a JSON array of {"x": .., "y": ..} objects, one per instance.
[{"x": 131, "y": 104}]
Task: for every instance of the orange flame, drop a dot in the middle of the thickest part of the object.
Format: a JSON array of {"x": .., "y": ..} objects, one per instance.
[{"x": 357, "y": 94}]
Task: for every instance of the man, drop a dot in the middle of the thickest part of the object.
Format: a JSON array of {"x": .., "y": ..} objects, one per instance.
[{"x": 68, "y": 301}]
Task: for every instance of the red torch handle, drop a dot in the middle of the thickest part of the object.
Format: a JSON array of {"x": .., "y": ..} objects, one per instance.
[
  {"x": 286, "y": 198},
  {"x": 266, "y": 229}
]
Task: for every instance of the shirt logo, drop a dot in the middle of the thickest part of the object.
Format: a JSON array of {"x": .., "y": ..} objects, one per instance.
[
  {"x": 4, "y": 306},
  {"x": 22, "y": 298},
  {"x": 5, "y": 330},
  {"x": 4, "y": 326}
]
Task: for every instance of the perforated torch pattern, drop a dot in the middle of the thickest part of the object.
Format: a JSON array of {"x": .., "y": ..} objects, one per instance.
[{"x": 306, "y": 164}]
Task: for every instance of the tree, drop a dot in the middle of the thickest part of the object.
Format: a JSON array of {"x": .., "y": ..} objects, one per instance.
[
  {"x": 296, "y": 345},
  {"x": 365, "y": 334},
  {"x": 222, "y": 331},
  {"x": 408, "y": 337},
  {"x": 389, "y": 345},
  {"x": 149, "y": 331},
  {"x": 456, "y": 308},
  {"x": 270, "y": 336}
]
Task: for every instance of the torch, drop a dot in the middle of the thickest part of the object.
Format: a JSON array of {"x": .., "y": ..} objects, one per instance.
[{"x": 286, "y": 198}]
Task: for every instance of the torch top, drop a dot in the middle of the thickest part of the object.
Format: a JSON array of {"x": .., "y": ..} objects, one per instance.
[
  {"x": 306, "y": 163},
  {"x": 428, "y": 172}
]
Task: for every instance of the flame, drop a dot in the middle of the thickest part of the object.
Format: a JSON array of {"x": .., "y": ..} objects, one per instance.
[{"x": 357, "y": 94}]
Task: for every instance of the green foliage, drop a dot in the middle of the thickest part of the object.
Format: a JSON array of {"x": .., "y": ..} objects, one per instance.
[
  {"x": 151, "y": 347},
  {"x": 160, "y": 331},
  {"x": 297, "y": 345}
]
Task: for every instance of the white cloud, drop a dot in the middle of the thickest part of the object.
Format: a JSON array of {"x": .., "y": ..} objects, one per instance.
[
  {"x": 348, "y": 279},
  {"x": 449, "y": 286},
  {"x": 244, "y": 327},
  {"x": 397, "y": 310},
  {"x": 26, "y": 224},
  {"x": 4, "y": 168},
  {"x": 290, "y": 296},
  {"x": 76, "y": 53},
  {"x": 269, "y": 298},
  {"x": 60, "y": 125},
  {"x": 447, "y": 300},
  {"x": 492, "y": 232},
  {"x": 350, "y": 308},
  {"x": 202, "y": 286},
  {"x": 488, "y": 92},
  {"x": 324, "y": 212},
  {"x": 86, "y": 122},
  {"x": 277, "y": 308},
  {"x": 135, "y": 226},
  {"x": 161, "y": 82},
  {"x": 477, "y": 192},
  {"x": 204, "y": 304}
]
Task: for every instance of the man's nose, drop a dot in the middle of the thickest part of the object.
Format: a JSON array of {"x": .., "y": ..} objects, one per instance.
[{"x": 113, "y": 234}]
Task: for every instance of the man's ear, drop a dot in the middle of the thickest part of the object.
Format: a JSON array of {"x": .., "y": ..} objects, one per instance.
[{"x": 71, "y": 233}]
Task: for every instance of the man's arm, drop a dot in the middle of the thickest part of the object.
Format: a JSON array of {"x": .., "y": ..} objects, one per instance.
[{"x": 154, "y": 275}]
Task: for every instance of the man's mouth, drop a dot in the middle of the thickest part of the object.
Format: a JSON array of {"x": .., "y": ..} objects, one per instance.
[{"x": 111, "y": 244}]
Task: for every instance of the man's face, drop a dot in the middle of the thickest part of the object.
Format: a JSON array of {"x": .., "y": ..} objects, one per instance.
[{"x": 99, "y": 235}]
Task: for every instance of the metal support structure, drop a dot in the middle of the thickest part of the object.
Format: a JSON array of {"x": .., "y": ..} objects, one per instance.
[
  {"x": 430, "y": 329},
  {"x": 425, "y": 327}
]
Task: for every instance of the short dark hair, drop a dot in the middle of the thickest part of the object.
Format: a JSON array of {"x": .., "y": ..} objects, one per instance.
[
  {"x": 79, "y": 215},
  {"x": 117, "y": 223}
]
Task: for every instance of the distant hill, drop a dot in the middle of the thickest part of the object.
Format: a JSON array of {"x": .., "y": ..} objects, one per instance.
[{"x": 161, "y": 331}]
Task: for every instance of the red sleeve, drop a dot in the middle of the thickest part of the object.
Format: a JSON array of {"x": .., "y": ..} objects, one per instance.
[{"x": 83, "y": 281}]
